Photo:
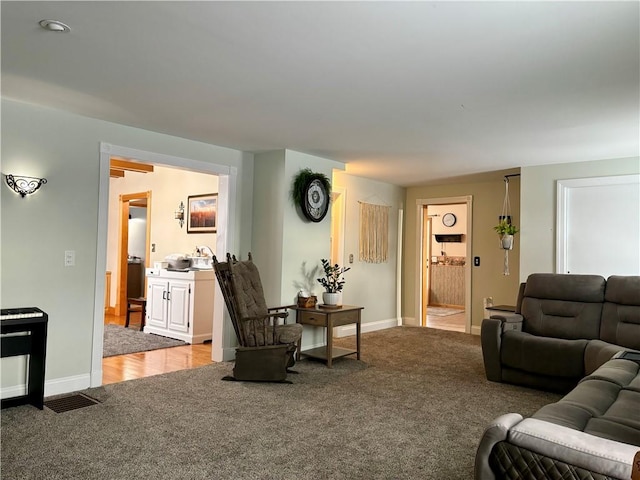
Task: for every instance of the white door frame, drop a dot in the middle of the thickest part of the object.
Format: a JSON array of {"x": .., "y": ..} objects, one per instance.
[
  {"x": 221, "y": 348},
  {"x": 421, "y": 203}
]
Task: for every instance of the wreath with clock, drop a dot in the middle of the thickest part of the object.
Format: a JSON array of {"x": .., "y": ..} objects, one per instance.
[{"x": 312, "y": 193}]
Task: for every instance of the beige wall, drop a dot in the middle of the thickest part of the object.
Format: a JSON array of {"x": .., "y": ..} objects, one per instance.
[
  {"x": 487, "y": 280},
  {"x": 168, "y": 187}
]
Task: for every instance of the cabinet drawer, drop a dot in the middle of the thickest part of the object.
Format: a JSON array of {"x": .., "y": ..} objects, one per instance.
[
  {"x": 312, "y": 318},
  {"x": 345, "y": 318}
]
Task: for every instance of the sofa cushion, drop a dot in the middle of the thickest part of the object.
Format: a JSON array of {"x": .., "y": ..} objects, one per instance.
[
  {"x": 571, "y": 288},
  {"x": 604, "y": 404},
  {"x": 563, "y": 306},
  {"x": 542, "y": 355},
  {"x": 621, "y": 312}
]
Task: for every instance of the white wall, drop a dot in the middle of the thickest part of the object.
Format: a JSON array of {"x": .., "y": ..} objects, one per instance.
[
  {"x": 371, "y": 285},
  {"x": 283, "y": 238},
  {"x": 269, "y": 202},
  {"x": 35, "y": 231},
  {"x": 450, "y": 249},
  {"x": 137, "y": 232},
  {"x": 538, "y": 206}
]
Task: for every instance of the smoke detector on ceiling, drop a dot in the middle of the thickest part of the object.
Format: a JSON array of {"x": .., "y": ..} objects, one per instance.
[{"x": 54, "y": 26}]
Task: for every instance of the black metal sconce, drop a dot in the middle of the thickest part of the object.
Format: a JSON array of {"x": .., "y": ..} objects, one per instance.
[
  {"x": 179, "y": 215},
  {"x": 24, "y": 185}
]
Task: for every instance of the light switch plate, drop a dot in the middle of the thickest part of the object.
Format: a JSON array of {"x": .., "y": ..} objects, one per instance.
[{"x": 69, "y": 258}]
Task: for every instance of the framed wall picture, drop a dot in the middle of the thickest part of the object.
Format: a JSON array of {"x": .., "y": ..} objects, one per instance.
[{"x": 202, "y": 213}]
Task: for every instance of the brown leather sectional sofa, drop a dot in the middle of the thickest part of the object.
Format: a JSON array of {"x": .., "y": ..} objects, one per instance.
[{"x": 563, "y": 336}]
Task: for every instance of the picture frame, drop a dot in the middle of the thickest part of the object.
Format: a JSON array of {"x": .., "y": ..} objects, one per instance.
[{"x": 202, "y": 213}]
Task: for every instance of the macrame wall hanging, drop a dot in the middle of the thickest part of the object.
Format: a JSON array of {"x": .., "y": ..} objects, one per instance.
[{"x": 374, "y": 233}]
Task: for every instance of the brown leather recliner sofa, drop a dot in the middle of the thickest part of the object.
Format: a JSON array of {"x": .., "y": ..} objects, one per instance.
[
  {"x": 565, "y": 327},
  {"x": 566, "y": 330}
]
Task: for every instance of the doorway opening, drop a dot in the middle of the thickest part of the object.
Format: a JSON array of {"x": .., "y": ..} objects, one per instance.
[
  {"x": 220, "y": 349},
  {"x": 133, "y": 247},
  {"x": 444, "y": 270}
]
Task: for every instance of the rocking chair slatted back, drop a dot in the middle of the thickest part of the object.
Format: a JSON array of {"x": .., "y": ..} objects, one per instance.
[
  {"x": 223, "y": 274},
  {"x": 242, "y": 290}
]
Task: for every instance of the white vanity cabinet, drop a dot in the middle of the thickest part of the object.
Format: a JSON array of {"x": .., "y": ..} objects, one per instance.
[{"x": 180, "y": 304}]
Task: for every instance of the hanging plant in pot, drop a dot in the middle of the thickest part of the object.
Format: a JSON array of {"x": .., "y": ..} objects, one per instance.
[
  {"x": 332, "y": 283},
  {"x": 506, "y": 231}
]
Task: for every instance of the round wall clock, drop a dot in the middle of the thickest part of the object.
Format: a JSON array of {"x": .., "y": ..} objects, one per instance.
[
  {"x": 315, "y": 203},
  {"x": 449, "y": 219}
]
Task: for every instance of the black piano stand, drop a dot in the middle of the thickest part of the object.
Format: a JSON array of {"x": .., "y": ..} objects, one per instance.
[{"x": 35, "y": 345}]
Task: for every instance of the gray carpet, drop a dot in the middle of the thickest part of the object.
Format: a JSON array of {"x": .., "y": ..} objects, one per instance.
[
  {"x": 415, "y": 407},
  {"x": 119, "y": 340}
]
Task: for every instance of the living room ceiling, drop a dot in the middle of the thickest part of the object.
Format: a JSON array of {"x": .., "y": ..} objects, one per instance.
[{"x": 403, "y": 92}]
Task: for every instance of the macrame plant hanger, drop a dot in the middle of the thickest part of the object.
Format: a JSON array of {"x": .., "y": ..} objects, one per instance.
[{"x": 506, "y": 216}]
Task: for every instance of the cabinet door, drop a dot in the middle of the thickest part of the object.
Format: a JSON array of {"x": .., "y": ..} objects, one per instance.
[
  {"x": 178, "y": 311},
  {"x": 157, "y": 303}
]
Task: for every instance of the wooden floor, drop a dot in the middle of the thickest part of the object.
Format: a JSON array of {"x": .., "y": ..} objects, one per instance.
[
  {"x": 453, "y": 323},
  {"x": 145, "y": 364}
]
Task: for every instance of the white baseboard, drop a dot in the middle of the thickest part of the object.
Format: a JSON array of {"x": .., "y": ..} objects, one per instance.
[
  {"x": 347, "y": 330},
  {"x": 475, "y": 330},
  {"x": 56, "y": 386},
  {"x": 15, "y": 391},
  {"x": 66, "y": 384}
]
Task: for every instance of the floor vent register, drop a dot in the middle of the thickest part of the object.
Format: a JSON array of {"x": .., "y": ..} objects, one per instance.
[{"x": 70, "y": 402}]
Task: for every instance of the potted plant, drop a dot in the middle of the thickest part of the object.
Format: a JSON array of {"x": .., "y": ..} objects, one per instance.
[
  {"x": 332, "y": 282},
  {"x": 506, "y": 230}
]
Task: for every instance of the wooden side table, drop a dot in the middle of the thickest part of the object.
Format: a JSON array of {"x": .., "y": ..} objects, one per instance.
[{"x": 329, "y": 318}]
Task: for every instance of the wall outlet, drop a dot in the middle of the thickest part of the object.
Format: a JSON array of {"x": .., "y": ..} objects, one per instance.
[
  {"x": 476, "y": 261},
  {"x": 351, "y": 258},
  {"x": 69, "y": 258}
]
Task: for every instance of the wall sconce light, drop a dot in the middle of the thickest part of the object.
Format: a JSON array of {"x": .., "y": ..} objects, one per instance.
[
  {"x": 24, "y": 185},
  {"x": 179, "y": 215}
]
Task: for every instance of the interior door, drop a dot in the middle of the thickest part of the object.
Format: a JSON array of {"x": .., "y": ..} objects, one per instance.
[{"x": 599, "y": 226}]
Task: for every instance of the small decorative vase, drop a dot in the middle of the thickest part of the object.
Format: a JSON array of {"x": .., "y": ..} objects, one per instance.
[
  {"x": 507, "y": 242},
  {"x": 331, "y": 298}
]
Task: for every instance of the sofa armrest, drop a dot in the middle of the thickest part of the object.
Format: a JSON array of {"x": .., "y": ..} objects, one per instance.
[
  {"x": 491, "y": 337},
  {"x": 596, "y": 454},
  {"x": 509, "y": 321},
  {"x": 497, "y": 431}
]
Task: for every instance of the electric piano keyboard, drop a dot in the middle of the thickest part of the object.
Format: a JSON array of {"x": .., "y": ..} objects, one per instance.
[{"x": 13, "y": 313}]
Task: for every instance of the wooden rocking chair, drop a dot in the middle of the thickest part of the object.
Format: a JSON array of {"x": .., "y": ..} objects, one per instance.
[{"x": 266, "y": 344}]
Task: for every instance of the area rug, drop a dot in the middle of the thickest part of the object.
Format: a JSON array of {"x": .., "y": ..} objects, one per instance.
[
  {"x": 119, "y": 341},
  {"x": 443, "y": 311}
]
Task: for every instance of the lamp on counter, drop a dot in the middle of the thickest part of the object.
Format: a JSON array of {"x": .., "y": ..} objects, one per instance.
[
  {"x": 24, "y": 185},
  {"x": 179, "y": 215}
]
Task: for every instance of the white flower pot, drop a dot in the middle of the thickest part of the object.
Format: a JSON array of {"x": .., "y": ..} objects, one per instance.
[
  {"x": 332, "y": 298},
  {"x": 507, "y": 242}
]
